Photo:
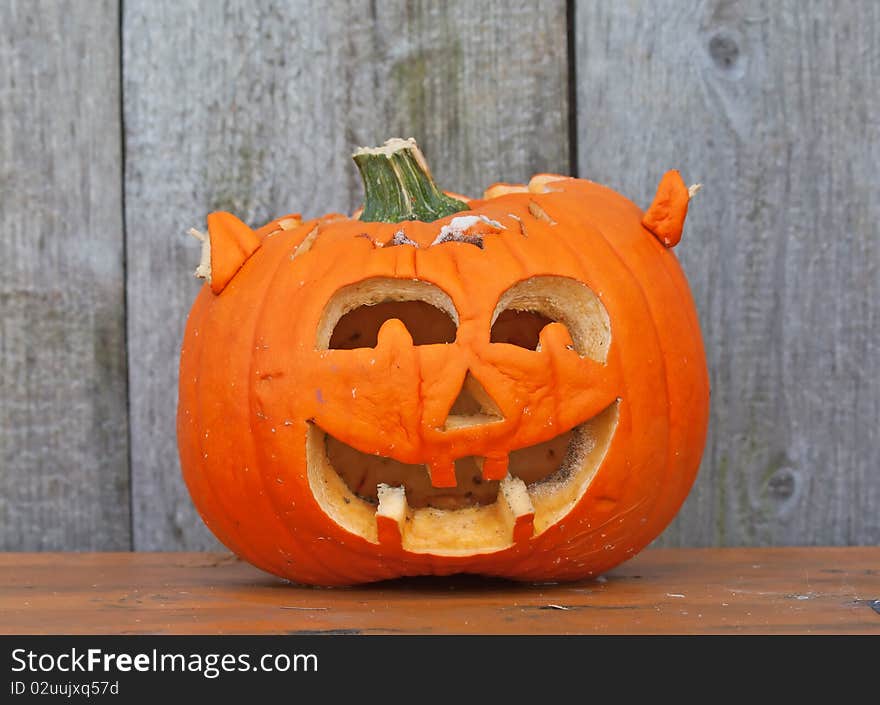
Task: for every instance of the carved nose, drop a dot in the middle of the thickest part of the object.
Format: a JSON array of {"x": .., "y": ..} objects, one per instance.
[{"x": 472, "y": 407}]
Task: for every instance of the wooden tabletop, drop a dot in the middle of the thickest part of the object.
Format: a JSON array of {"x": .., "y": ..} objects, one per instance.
[{"x": 678, "y": 591}]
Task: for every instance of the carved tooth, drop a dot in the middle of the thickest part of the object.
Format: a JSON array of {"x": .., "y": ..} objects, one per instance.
[
  {"x": 516, "y": 508},
  {"x": 494, "y": 467},
  {"x": 442, "y": 473},
  {"x": 391, "y": 514}
]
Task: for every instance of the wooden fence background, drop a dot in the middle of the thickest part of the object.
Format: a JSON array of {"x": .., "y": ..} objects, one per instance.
[{"x": 123, "y": 123}]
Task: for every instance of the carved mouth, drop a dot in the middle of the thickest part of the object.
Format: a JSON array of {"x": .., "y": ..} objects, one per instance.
[
  {"x": 364, "y": 473},
  {"x": 387, "y": 501}
]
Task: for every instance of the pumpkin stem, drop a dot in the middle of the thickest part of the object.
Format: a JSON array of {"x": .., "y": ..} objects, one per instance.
[{"x": 399, "y": 185}]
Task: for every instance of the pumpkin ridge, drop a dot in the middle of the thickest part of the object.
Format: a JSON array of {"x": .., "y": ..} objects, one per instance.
[
  {"x": 235, "y": 536},
  {"x": 670, "y": 450},
  {"x": 268, "y": 492},
  {"x": 683, "y": 294},
  {"x": 195, "y": 410},
  {"x": 658, "y": 338},
  {"x": 518, "y": 257}
]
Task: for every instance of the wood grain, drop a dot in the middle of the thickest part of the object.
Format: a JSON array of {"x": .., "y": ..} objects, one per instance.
[
  {"x": 255, "y": 108},
  {"x": 63, "y": 422},
  {"x": 661, "y": 591},
  {"x": 774, "y": 108}
]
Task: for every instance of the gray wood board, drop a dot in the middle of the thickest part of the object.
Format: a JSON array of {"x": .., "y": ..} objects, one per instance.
[
  {"x": 774, "y": 107},
  {"x": 63, "y": 422},
  {"x": 255, "y": 108}
]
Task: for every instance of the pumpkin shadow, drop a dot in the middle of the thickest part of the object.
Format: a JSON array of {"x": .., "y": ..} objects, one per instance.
[{"x": 461, "y": 583}]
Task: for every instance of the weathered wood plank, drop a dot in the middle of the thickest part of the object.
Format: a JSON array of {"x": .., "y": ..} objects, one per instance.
[
  {"x": 662, "y": 591},
  {"x": 255, "y": 108},
  {"x": 63, "y": 423},
  {"x": 774, "y": 107}
]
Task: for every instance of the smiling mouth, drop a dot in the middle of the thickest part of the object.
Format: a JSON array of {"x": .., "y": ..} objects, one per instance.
[
  {"x": 389, "y": 502},
  {"x": 364, "y": 473}
]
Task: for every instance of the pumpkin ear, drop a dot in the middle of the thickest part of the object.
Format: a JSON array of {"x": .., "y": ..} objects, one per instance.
[
  {"x": 225, "y": 249},
  {"x": 665, "y": 217}
]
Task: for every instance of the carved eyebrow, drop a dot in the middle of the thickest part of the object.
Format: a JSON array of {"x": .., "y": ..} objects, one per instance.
[
  {"x": 467, "y": 229},
  {"x": 400, "y": 238},
  {"x": 459, "y": 237},
  {"x": 459, "y": 230}
]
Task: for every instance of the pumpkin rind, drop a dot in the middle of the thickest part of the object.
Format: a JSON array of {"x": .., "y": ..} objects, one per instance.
[{"x": 254, "y": 384}]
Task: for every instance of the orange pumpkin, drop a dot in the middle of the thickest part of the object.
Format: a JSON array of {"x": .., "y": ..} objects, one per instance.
[{"x": 513, "y": 386}]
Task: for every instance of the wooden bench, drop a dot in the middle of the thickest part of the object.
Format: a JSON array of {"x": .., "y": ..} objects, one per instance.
[{"x": 721, "y": 591}]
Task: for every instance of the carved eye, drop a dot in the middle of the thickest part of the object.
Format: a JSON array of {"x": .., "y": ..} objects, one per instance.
[
  {"x": 520, "y": 328},
  {"x": 525, "y": 308},
  {"x": 355, "y": 314},
  {"x": 360, "y": 328}
]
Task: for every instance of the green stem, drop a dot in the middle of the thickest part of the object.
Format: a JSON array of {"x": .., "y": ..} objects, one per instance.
[{"x": 399, "y": 186}]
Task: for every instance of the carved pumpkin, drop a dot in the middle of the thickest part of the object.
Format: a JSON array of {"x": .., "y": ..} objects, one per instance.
[{"x": 513, "y": 386}]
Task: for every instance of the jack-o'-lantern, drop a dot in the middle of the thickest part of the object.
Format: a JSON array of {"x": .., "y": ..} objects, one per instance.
[{"x": 514, "y": 385}]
